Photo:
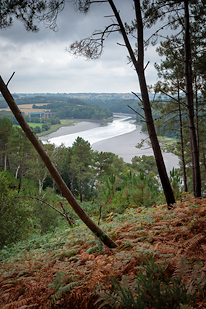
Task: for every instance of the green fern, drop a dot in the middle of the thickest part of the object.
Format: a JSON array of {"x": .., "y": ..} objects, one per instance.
[
  {"x": 152, "y": 289},
  {"x": 58, "y": 281},
  {"x": 99, "y": 245},
  {"x": 59, "y": 287},
  {"x": 64, "y": 289}
]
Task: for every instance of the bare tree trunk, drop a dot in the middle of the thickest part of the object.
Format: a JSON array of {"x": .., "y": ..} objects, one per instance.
[
  {"x": 71, "y": 177},
  {"x": 197, "y": 112},
  {"x": 190, "y": 107},
  {"x": 20, "y": 176},
  {"x": 17, "y": 171},
  {"x": 41, "y": 219},
  {"x": 139, "y": 67},
  {"x": 182, "y": 142},
  {"x": 51, "y": 168},
  {"x": 204, "y": 159},
  {"x": 8, "y": 164}
]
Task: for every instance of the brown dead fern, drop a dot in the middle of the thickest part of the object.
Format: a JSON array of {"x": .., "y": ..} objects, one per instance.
[
  {"x": 194, "y": 244},
  {"x": 17, "y": 304},
  {"x": 181, "y": 268}
]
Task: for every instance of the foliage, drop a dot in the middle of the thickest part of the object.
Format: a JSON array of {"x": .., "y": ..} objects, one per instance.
[
  {"x": 5, "y": 131},
  {"x": 131, "y": 190},
  {"x": 74, "y": 108},
  {"x": 152, "y": 289},
  {"x": 14, "y": 214},
  {"x": 37, "y": 129},
  {"x": 144, "y": 164},
  {"x": 81, "y": 161},
  {"x": 176, "y": 235},
  {"x": 59, "y": 286},
  {"x": 9, "y": 115},
  {"x": 176, "y": 182}
]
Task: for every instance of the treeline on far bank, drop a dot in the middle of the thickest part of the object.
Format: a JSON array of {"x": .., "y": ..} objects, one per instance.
[
  {"x": 63, "y": 107},
  {"x": 102, "y": 182}
]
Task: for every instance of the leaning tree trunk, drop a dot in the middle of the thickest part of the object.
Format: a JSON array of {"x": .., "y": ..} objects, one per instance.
[
  {"x": 51, "y": 168},
  {"x": 190, "y": 107},
  {"x": 139, "y": 67}
]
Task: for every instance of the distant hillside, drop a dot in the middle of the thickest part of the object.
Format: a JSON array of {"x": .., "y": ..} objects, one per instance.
[
  {"x": 91, "y": 96},
  {"x": 81, "y": 105},
  {"x": 115, "y": 102}
]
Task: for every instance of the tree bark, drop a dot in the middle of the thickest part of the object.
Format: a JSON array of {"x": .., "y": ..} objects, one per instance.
[
  {"x": 190, "y": 107},
  {"x": 51, "y": 168},
  {"x": 20, "y": 176},
  {"x": 182, "y": 142},
  {"x": 139, "y": 67}
]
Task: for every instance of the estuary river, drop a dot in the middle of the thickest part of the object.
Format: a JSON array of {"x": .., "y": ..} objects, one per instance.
[{"x": 119, "y": 136}]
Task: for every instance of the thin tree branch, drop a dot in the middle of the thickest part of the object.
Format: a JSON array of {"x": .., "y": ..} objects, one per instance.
[
  {"x": 136, "y": 96},
  {"x": 69, "y": 219},
  {"x": 42, "y": 201},
  {"x": 10, "y": 78},
  {"x": 146, "y": 65},
  {"x": 136, "y": 112}
]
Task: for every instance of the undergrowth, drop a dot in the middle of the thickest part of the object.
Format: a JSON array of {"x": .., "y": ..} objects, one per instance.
[
  {"x": 61, "y": 285},
  {"x": 71, "y": 268},
  {"x": 151, "y": 289}
]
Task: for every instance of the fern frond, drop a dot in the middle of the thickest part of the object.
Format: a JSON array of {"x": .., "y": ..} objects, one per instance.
[
  {"x": 99, "y": 245},
  {"x": 194, "y": 243},
  {"x": 68, "y": 287},
  {"x": 64, "y": 289},
  {"x": 58, "y": 281},
  {"x": 197, "y": 280},
  {"x": 107, "y": 299},
  {"x": 181, "y": 268},
  {"x": 17, "y": 304}
]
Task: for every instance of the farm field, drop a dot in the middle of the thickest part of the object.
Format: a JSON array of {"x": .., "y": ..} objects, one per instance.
[{"x": 27, "y": 108}]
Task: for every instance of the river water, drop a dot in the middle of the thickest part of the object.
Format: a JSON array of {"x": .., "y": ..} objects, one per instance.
[{"x": 119, "y": 136}]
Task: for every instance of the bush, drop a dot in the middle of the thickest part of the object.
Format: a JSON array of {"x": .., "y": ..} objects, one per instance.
[
  {"x": 14, "y": 214},
  {"x": 37, "y": 129},
  {"x": 46, "y": 126}
]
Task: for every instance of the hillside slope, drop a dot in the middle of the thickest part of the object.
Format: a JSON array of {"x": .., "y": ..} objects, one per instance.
[{"x": 77, "y": 268}]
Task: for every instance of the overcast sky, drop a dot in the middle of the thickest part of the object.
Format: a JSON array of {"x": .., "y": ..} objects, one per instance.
[{"x": 42, "y": 64}]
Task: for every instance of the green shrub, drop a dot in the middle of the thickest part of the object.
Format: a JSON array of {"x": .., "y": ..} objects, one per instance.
[
  {"x": 14, "y": 214},
  {"x": 152, "y": 290}
]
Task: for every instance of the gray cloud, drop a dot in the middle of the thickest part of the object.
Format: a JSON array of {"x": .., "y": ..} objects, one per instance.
[{"x": 42, "y": 64}]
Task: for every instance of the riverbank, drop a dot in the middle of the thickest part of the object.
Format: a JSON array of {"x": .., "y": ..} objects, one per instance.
[
  {"x": 55, "y": 127},
  {"x": 70, "y": 129},
  {"x": 74, "y": 125}
]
